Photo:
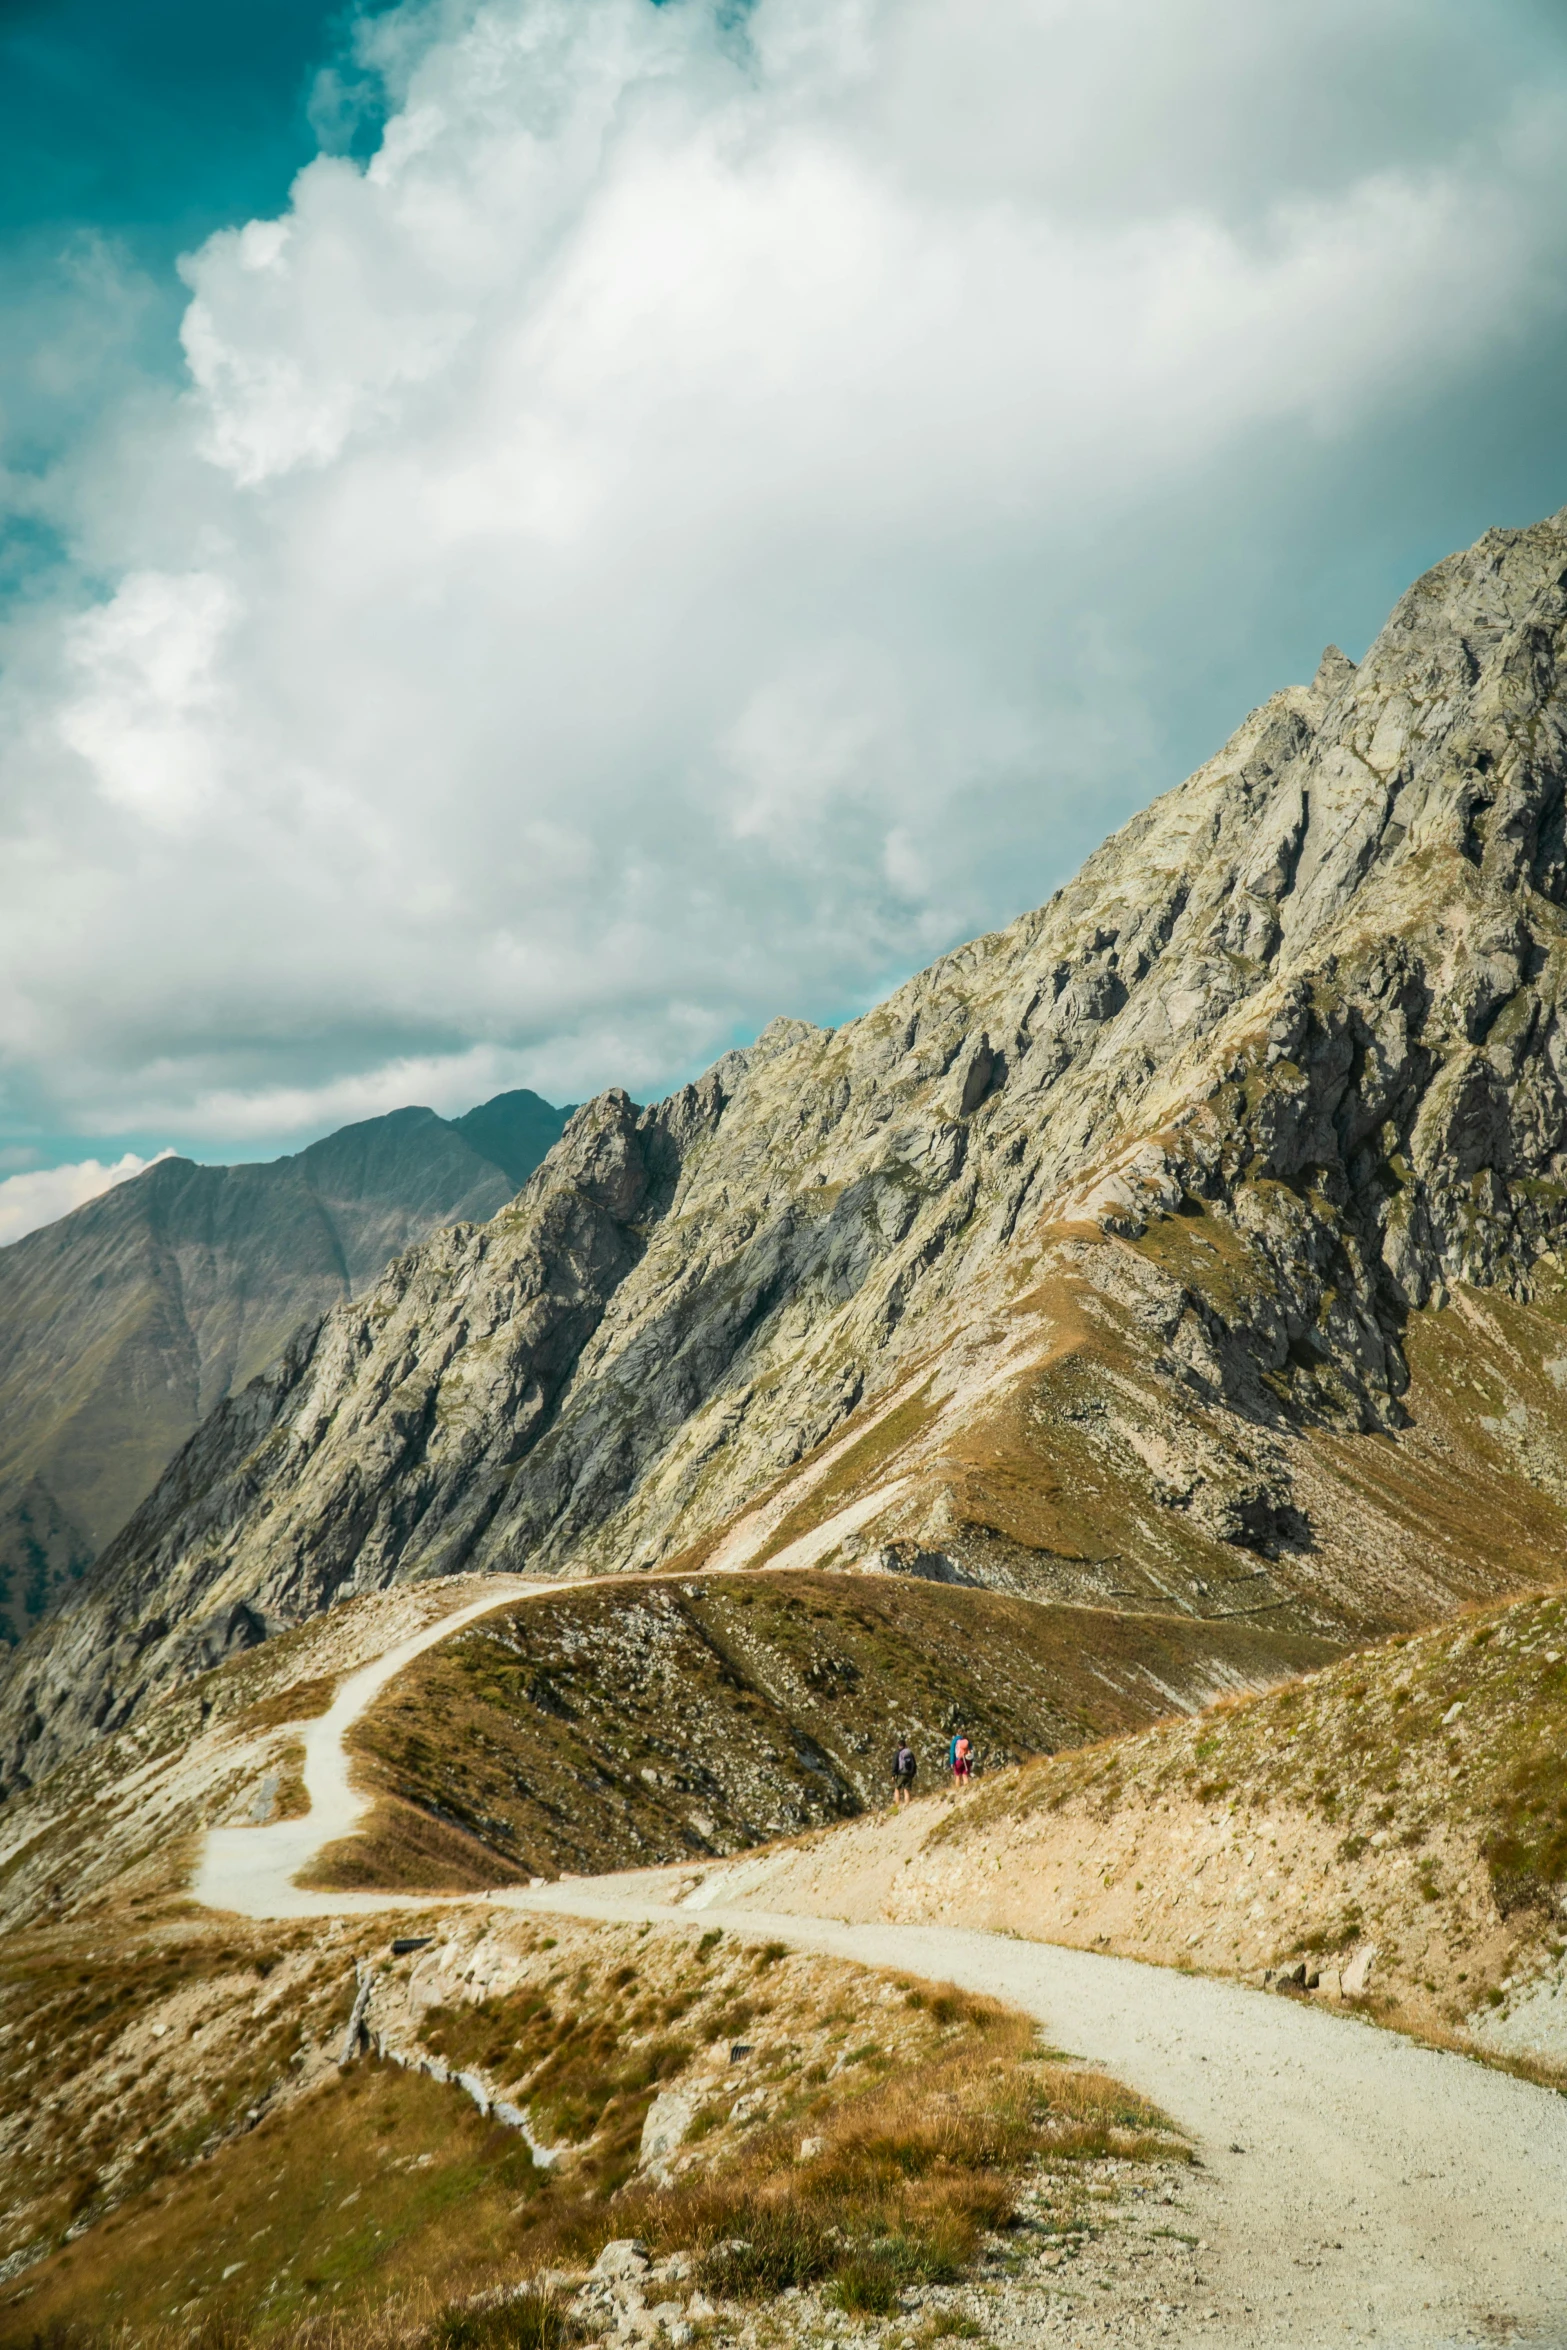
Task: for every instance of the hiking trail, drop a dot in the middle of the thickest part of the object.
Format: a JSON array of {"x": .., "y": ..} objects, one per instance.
[{"x": 1352, "y": 2187}]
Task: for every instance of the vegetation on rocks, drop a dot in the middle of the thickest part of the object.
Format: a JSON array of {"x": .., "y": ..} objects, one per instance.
[
  {"x": 379, "y": 2197},
  {"x": 606, "y": 1728}
]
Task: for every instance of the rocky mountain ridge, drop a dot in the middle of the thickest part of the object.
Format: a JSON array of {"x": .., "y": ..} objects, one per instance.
[
  {"x": 126, "y": 1322},
  {"x": 1190, "y": 1245}
]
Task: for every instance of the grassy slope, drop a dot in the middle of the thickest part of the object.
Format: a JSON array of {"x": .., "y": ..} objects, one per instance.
[
  {"x": 384, "y": 2191},
  {"x": 134, "y": 2042},
  {"x": 1409, "y": 1798},
  {"x": 611, "y": 1727},
  {"x": 1096, "y": 1471}
]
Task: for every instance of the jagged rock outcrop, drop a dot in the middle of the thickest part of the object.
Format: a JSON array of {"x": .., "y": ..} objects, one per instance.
[
  {"x": 1106, "y": 1258},
  {"x": 124, "y": 1324}
]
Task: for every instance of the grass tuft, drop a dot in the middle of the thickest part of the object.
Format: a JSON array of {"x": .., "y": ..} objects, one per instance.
[{"x": 530, "y": 2320}]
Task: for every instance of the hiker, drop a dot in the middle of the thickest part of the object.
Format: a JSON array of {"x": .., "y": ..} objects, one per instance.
[
  {"x": 904, "y": 1767},
  {"x": 960, "y": 1755}
]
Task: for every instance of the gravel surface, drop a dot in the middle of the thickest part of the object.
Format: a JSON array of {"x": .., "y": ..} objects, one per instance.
[{"x": 1350, "y": 2187}]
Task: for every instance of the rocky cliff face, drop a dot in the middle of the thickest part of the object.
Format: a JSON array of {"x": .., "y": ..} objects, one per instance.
[
  {"x": 123, "y": 1325},
  {"x": 1189, "y": 1246}
]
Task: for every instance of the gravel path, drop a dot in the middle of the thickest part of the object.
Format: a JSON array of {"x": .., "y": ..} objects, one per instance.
[
  {"x": 252, "y": 1869},
  {"x": 1352, "y": 2188}
]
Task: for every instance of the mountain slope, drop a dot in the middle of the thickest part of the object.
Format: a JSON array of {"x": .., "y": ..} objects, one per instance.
[
  {"x": 1397, "y": 1822},
  {"x": 600, "y": 1728},
  {"x": 1190, "y": 1244},
  {"x": 125, "y": 1323}
]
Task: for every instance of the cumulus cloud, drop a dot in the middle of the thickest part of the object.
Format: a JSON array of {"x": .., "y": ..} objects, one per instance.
[
  {"x": 724, "y": 504},
  {"x": 32, "y": 1199}
]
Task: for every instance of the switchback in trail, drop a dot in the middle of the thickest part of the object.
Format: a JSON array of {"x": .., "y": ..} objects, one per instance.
[{"x": 253, "y": 1869}]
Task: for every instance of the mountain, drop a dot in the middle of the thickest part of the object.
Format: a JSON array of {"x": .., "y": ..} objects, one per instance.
[
  {"x": 514, "y": 1132},
  {"x": 125, "y": 1323},
  {"x": 1189, "y": 1248}
]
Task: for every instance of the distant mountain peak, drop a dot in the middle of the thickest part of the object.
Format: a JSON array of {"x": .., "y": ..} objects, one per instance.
[
  {"x": 126, "y": 1322},
  {"x": 514, "y": 1130}
]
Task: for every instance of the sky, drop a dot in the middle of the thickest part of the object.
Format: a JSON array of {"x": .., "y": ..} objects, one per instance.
[{"x": 536, "y": 535}]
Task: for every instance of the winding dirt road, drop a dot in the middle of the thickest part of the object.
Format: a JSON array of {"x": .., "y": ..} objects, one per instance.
[
  {"x": 1352, "y": 2188},
  {"x": 253, "y": 1869}
]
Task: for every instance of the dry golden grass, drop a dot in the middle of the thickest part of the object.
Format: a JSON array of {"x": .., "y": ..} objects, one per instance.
[
  {"x": 381, "y": 2191},
  {"x": 301, "y": 1701},
  {"x": 402, "y": 1844},
  {"x": 354, "y": 2217},
  {"x": 131, "y": 2045},
  {"x": 909, "y": 2174},
  {"x": 417, "y": 2319}
]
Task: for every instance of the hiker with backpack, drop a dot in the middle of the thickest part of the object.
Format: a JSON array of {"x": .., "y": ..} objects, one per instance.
[
  {"x": 904, "y": 1766},
  {"x": 960, "y": 1761}
]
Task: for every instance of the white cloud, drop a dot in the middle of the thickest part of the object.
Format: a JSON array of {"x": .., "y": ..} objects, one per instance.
[
  {"x": 30, "y": 1200},
  {"x": 149, "y": 698},
  {"x": 720, "y": 506}
]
